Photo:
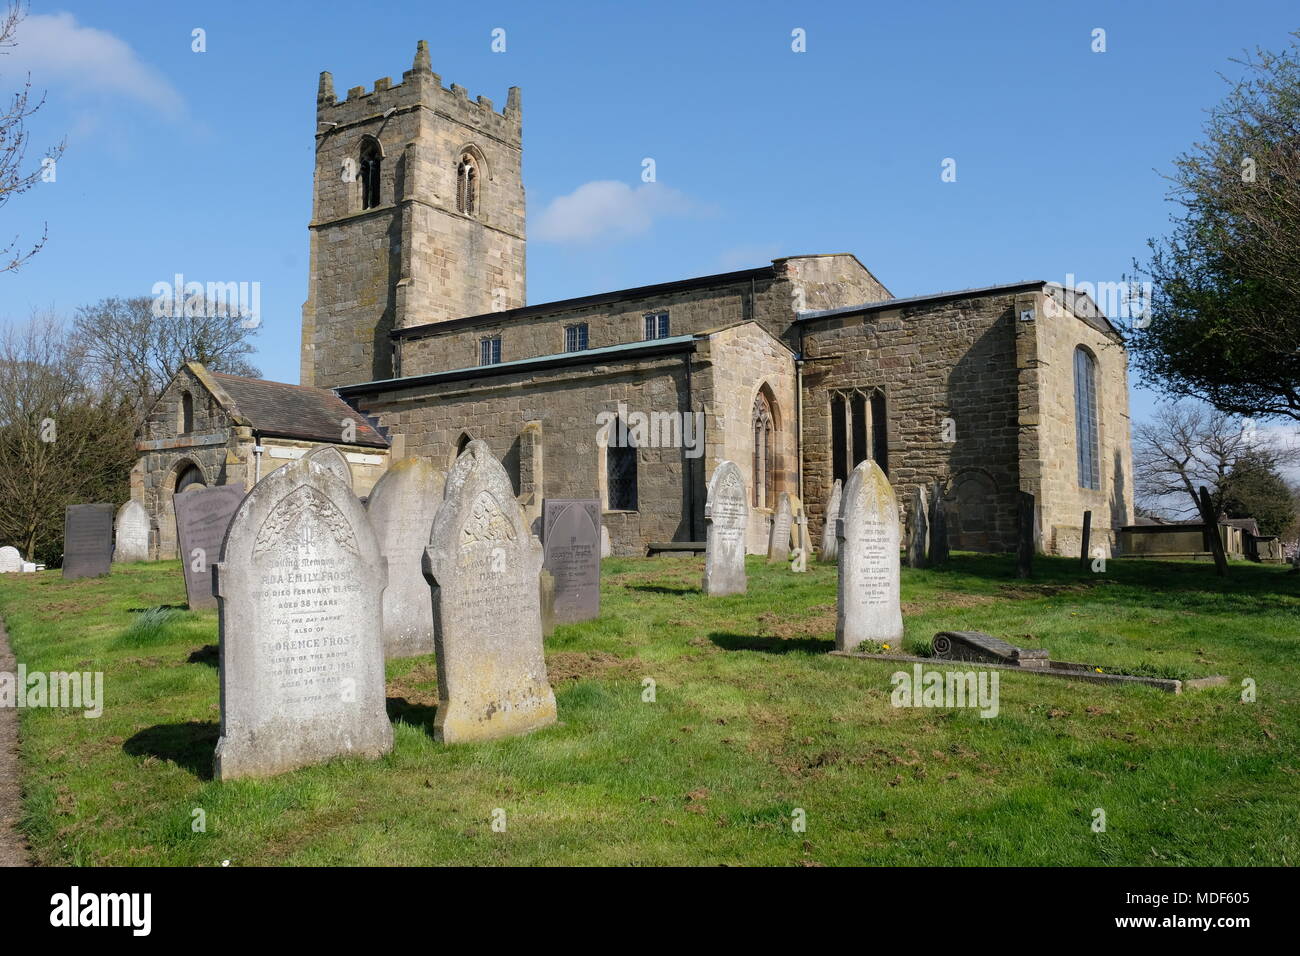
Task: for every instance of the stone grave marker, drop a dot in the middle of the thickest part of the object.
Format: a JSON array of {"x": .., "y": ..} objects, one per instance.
[
  {"x": 202, "y": 517},
  {"x": 830, "y": 544},
  {"x": 799, "y": 554},
  {"x": 300, "y": 596},
  {"x": 981, "y": 648},
  {"x": 605, "y": 550},
  {"x": 10, "y": 559},
  {"x": 799, "y": 537},
  {"x": 868, "y": 606},
  {"x": 87, "y": 540},
  {"x": 918, "y": 528},
  {"x": 131, "y": 533},
  {"x": 401, "y": 507},
  {"x": 778, "y": 543},
  {"x": 571, "y": 549},
  {"x": 726, "y": 515},
  {"x": 1025, "y": 512},
  {"x": 938, "y": 527},
  {"x": 483, "y": 565},
  {"x": 333, "y": 459},
  {"x": 546, "y": 585}
]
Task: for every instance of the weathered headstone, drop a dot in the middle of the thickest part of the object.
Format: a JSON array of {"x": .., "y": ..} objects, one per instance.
[
  {"x": 1025, "y": 535},
  {"x": 869, "y": 608},
  {"x": 300, "y": 596},
  {"x": 830, "y": 543},
  {"x": 202, "y": 517},
  {"x": 1084, "y": 558},
  {"x": 981, "y": 648},
  {"x": 482, "y": 565},
  {"x": 571, "y": 552},
  {"x": 799, "y": 553},
  {"x": 778, "y": 542},
  {"x": 131, "y": 533},
  {"x": 918, "y": 529},
  {"x": 726, "y": 515},
  {"x": 605, "y": 549},
  {"x": 332, "y": 458},
  {"x": 87, "y": 540},
  {"x": 546, "y": 586},
  {"x": 938, "y": 527},
  {"x": 1211, "y": 523},
  {"x": 401, "y": 507},
  {"x": 799, "y": 537},
  {"x": 10, "y": 559}
]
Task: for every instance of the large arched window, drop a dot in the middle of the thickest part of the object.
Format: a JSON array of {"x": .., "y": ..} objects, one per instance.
[
  {"x": 371, "y": 161},
  {"x": 859, "y": 430},
  {"x": 620, "y": 469},
  {"x": 186, "y": 422},
  {"x": 467, "y": 185},
  {"x": 764, "y": 430},
  {"x": 1085, "y": 418}
]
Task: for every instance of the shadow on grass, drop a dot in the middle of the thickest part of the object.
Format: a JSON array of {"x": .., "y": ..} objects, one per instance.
[
  {"x": 208, "y": 654},
  {"x": 158, "y": 607},
  {"x": 189, "y": 745},
  {"x": 772, "y": 645},
  {"x": 402, "y": 711},
  {"x": 663, "y": 589}
]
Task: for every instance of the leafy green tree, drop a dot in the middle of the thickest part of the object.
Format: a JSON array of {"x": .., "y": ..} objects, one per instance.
[{"x": 1254, "y": 489}]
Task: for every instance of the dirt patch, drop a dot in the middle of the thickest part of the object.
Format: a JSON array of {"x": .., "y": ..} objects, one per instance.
[
  {"x": 405, "y": 686},
  {"x": 564, "y": 666},
  {"x": 13, "y": 848},
  {"x": 1023, "y": 591},
  {"x": 818, "y": 622}
]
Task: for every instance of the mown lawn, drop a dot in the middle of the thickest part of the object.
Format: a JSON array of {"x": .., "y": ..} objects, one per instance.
[{"x": 751, "y": 721}]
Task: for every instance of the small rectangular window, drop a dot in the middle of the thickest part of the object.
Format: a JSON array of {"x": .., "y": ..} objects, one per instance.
[
  {"x": 489, "y": 351},
  {"x": 656, "y": 325},
  {"x": 575, "y": 337}
]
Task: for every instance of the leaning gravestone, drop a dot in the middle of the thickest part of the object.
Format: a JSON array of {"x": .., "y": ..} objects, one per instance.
[
  {"x": 726, "y": 512},
  {"x": 202, "y": 517},
  {"x": 482, "y": 564},
  {"x": 87, "y": 540},
  {"x": 300, "y": 596},
  {"x": 401, "y": 507},
  {"x": 10, "y": 559},
  {"x": 918, "y": 541},
  {"x": 131, "y": 533},
  {"x": 869, "y": 607},
  {"x": 571, "y": 549},
  {"x": 830, "y": 544},
  {"x": 333, "y": 459},
  {"x": 778, "y": 544},
  {"x": 938, "y": 528}
]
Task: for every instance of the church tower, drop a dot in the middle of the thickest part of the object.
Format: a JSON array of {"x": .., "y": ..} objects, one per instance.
[{"x": 417, "y": 217}]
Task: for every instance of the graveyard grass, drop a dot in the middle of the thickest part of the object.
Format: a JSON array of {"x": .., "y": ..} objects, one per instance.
[{"x": 751, "y": 721}]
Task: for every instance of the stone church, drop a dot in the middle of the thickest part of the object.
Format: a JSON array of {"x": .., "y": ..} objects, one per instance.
[{"x": 417, "y": 331}]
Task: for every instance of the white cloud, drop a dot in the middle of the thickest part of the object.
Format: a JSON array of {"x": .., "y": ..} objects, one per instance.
[
  {"x": 610, "y": 209},
  {"x": 61, "y": 53}
]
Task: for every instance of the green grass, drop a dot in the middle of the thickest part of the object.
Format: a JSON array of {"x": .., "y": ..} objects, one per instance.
[{"x": 751, "y": 721}]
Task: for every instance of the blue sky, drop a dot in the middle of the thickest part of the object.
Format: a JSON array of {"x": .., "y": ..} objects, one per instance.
[{"x": 201, "y": 163}]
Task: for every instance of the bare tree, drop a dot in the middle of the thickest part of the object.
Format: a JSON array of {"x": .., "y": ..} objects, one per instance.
[
  {"x": 1189, "y": 445},
  {"x": 60, "y": 442},
  {"x": 128, "y": 344},
  {"x": 14, "y": 178}
]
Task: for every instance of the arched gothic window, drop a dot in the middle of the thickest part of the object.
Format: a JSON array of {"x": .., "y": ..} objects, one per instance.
[
  {"x": 1085, "y": 418},
  {"x": 368, "y": 168},
  {"x": 467, "y": 185},
  {"x": 764, "y": 429}
]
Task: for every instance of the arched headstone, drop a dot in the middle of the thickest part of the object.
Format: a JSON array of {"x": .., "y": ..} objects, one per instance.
[
  {"x": 868, "y": 606},
  {"x": 10, "y": 559},
  {"x": 571, "y": 550},
  {"x": 726, "y": 513},
  {"x": 778, "y": 542},
  {"x": 331, "y": 458},
  {"x": 131, "y": 533},
  {"x": 830, "y": 543}
]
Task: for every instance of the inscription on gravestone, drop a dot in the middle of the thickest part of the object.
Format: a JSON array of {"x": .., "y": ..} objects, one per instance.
[
  {"x": 482, "y": 565},
  {"x": 868, "y": 606},
  {"x": 131, "y": 533},
  {"x": 401, "y": 507},
  {"x": 300, "y": 595},
  {"x": 87, "y": 541},
  {"x": 202, "y": 517},
  {"x": 726, "y": 512},
  {"x": 331, "y": 458},
  {"x": 571, "y": 547}
]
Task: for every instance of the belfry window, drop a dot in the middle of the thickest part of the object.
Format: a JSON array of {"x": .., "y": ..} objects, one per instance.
[
  {"x": 368, "y": 172},
  {"x": 1085, "y": 418},
  {"x": 467, "y": 185}
]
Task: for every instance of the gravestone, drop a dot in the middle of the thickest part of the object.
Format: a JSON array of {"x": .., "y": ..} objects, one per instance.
[
  {"x": 131, "y": 533},
  {"x": 482, "y": 565},
  {"x": 1086, "y": 541},
  {"x": 571, "y": 549},
  {"x": 332, "y": 458},
  {"x": 604, "y": 542},
  {"x": 300, "y": 596},
  {"x": 1211, "y": 522},
  {"x": 980, "y": 648},
  {"x": 401, "y": 507},
  {"x": 546, "y": 587},
  {"x": 799, "y": 537},
  {"x": 938, "y": 527},
  {"x": 10, "y": 559},
  {"x": 799, "y": 554},
  {"x": 202, "y": 517},
  {"x": 726, "y": 515},
  {"x": 830, "y": 543},
  {"x": 1025, "y": 535},
  {"x": 868, "y": 606},
  {"x": 778, "y": 542},
  {"x": 918, "y": 528},
  {"x": 87, "y": 541}
]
